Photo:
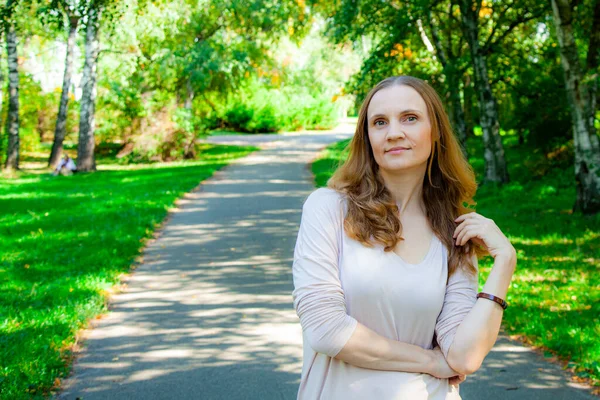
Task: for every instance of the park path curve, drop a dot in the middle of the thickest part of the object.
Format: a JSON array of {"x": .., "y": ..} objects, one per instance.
[{"x": 209, "y": 313}]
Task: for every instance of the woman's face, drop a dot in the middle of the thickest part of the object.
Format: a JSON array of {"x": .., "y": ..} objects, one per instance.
[{"x": 397, "y": 117}]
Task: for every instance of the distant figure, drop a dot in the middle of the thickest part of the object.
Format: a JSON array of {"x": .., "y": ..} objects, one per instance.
[{"x": 65, "y": 167}]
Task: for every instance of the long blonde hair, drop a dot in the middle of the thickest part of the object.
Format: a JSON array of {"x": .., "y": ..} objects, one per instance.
[{"x": 450, "y": 182}]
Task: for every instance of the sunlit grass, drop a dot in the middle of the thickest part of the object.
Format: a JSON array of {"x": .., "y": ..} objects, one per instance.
[
  {"x": 64, "y": 242},
  {"x": 554, "y": 297}
]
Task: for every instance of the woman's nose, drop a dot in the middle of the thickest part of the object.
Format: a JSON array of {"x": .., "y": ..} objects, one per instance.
[{"x": 395, "y": 130}]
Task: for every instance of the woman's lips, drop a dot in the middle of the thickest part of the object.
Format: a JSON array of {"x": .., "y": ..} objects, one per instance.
[{"x": 397, "y": 151}]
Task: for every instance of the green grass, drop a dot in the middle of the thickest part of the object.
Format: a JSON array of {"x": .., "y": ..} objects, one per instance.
[
  {"x": 554, "y": 297},
  {"x": 64, "y": 242}
]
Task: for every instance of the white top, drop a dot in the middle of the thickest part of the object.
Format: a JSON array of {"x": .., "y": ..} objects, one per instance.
[
  {"x": 338, "y": 281},
  {"x": 70, "y": 164}
]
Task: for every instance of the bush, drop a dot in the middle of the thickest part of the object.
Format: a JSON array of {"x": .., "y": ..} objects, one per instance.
[
  {"x": 258, "y": 109},
  {"x": 240, "y": 115}
]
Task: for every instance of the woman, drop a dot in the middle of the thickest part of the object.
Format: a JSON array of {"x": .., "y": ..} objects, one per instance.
[
  {"x": 385, "y": 263},
  {"x": 65, "y": 167}
]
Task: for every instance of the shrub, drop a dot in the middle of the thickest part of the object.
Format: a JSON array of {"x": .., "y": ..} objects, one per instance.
[{"x": 259, "y": 109}]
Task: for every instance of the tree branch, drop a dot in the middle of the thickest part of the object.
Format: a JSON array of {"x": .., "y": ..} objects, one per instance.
[
  {"x": 449, "y": 33},
  {"x": 487, "y": 49},
  {"x": 478, "y": 8},
  {"x": 497, "y": 25},
  {"x": 436, "y": 40},
  {"x": 202, "y": 37},
  {"x": 449, "y": 14}
]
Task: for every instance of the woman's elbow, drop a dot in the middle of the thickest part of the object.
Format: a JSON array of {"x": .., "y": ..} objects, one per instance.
[
  {"x": 464, "y": 364},
  {"x": 470, "y": 366},
  {"x": 325, "y": 323},
  {"x": 330, "y": 337},
  {"x": 321, "y": 344}
]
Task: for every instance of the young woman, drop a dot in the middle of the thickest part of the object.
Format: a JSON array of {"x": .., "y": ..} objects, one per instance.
[{"x": 385, "y": 264}]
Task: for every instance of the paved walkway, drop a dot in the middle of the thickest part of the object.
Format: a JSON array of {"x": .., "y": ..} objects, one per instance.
[{"x": 209, "y": 313}]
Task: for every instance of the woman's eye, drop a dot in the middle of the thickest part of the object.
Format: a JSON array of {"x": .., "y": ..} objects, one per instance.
[
  {"x": 411, "y": 118},
  {"x": 378, "y": 122}
]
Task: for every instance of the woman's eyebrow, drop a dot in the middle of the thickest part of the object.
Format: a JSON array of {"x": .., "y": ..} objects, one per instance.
[
  {"x": 377, "y": 116},
  {"x": 409, "y": 110}
]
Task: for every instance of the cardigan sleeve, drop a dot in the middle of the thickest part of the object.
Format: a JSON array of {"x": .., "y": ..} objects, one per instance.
[
  {"x": 461, "y": 292},
  {"x": 318, "y": 294}
]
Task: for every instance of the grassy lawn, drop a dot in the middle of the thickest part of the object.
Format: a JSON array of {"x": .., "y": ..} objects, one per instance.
[
  {"x": 64, "y": 242},
  {"x": 554, "y": 298}
]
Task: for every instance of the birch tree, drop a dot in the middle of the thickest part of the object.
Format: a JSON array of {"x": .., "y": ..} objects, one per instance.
[
  {"x": 450, "y": 52},
  {"x": 495, "y": 162},
  {"x": 85, "y": 149},
  {"x": 581, "y": 81},
  {"x": 12, "y": 121},
  {"x": 502, "y": 19},
  {"x": 70, "y": 10}
]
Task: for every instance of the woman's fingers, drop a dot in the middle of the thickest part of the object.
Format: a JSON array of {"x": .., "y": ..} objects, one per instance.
[
  {"x": 465, "y": 235},
  {"x": 466, "y": 231}
]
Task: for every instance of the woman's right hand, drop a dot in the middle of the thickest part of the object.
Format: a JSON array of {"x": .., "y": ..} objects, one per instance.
[{"x": 439, "y": 366}]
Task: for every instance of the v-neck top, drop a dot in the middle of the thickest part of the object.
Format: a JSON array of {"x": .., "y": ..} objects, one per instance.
[{"x": 339, "y": 282}]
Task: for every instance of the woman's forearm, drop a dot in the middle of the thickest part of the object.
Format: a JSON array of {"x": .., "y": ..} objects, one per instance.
[
  {"x": 367, "y": 349},
  {"x": 478, "y": 331}
]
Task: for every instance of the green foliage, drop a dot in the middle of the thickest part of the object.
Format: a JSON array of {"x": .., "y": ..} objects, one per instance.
[
  {"x": 530, "y": 86},
  {"x": 198, "y": 51},
  {"x": 257, "y": 109},
  {"x": 387, "y": 38}
]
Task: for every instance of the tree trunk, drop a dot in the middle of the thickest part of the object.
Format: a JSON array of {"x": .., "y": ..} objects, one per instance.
[
  {"x": 581, "y": 95},
  {"x": 190, "y": 148},
  {"x": 12, "y": 122},
  {"x": 1, "y": 109},
  {"x": 495, "y": 164},
  {"x": 448, "y": 62},
  {"x": 189, "y": 95},
  {"x": 85, "y": 149},
  {"x": 61, "y": 120},
  {"x": 468, "y": 106},
  {"x": 458, "y": 115}
]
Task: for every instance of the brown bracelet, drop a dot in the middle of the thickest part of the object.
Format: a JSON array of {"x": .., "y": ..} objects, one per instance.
[{"x": 493, "y": 298}]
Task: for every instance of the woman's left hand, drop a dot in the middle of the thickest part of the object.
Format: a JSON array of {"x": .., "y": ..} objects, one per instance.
[{"x": 484, "y": 232}]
